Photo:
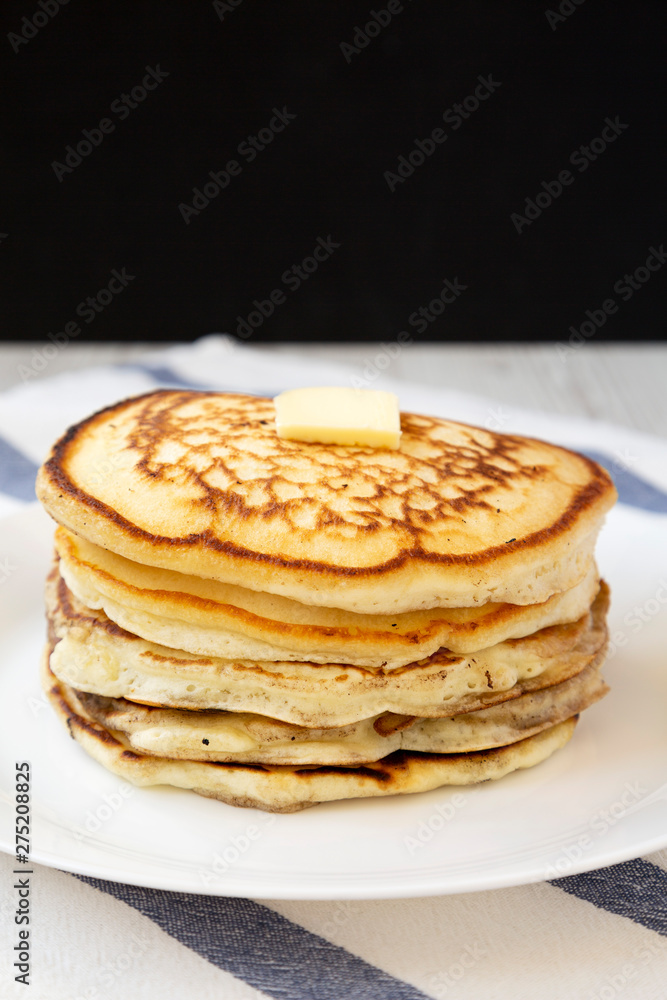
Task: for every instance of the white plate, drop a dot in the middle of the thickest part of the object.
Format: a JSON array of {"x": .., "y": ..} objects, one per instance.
[{"x": 600, "y": 800}]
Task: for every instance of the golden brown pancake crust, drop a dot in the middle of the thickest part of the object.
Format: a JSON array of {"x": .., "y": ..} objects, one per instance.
[
  {"x": 199, "y": 612},
  {"x": 308, "y": 519}
]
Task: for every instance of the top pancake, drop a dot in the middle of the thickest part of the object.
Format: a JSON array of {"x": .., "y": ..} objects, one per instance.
[{"x": 200, "y": 483}]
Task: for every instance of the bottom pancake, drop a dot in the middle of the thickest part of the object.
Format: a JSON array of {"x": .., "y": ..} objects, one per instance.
[{"x": 277, "y": 788}]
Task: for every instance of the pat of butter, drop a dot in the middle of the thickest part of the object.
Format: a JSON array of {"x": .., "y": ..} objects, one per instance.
[{"x": 339, "y": 416}]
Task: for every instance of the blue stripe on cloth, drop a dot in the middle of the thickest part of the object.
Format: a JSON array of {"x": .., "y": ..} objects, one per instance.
[
  {"x": 632, "y": 490},
  {"x": 261, "y": 947},
  {"x": 17, "y": 472},
  {"x": 635, "y": 889}
]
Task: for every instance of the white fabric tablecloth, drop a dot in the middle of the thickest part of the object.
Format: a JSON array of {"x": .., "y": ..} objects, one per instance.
[{"x": 595, "y": 936}]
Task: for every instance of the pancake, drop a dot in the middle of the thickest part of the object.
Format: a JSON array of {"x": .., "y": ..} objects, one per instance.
[
  {"x": 275, "y": 623},
  {"x": 202, "y": 485},
  {"x": 240, "y": 737},
  {"x": 96, "y": 655},
  {"x": 287, "y": 789},
  {"x": 224, "y": 620}
]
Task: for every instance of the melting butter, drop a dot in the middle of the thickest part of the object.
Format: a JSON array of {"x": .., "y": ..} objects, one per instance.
[{"x": 336, "y": 415}]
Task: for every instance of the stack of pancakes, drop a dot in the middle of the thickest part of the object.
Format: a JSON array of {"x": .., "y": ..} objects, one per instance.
[{"x": 276, "y": 623}]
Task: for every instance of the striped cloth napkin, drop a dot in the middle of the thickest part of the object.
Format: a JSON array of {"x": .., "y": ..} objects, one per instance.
[{"x": 595, "y": 936}]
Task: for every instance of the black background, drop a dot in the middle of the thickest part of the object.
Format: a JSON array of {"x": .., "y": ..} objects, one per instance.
[{"x": 323, "y": 175}]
